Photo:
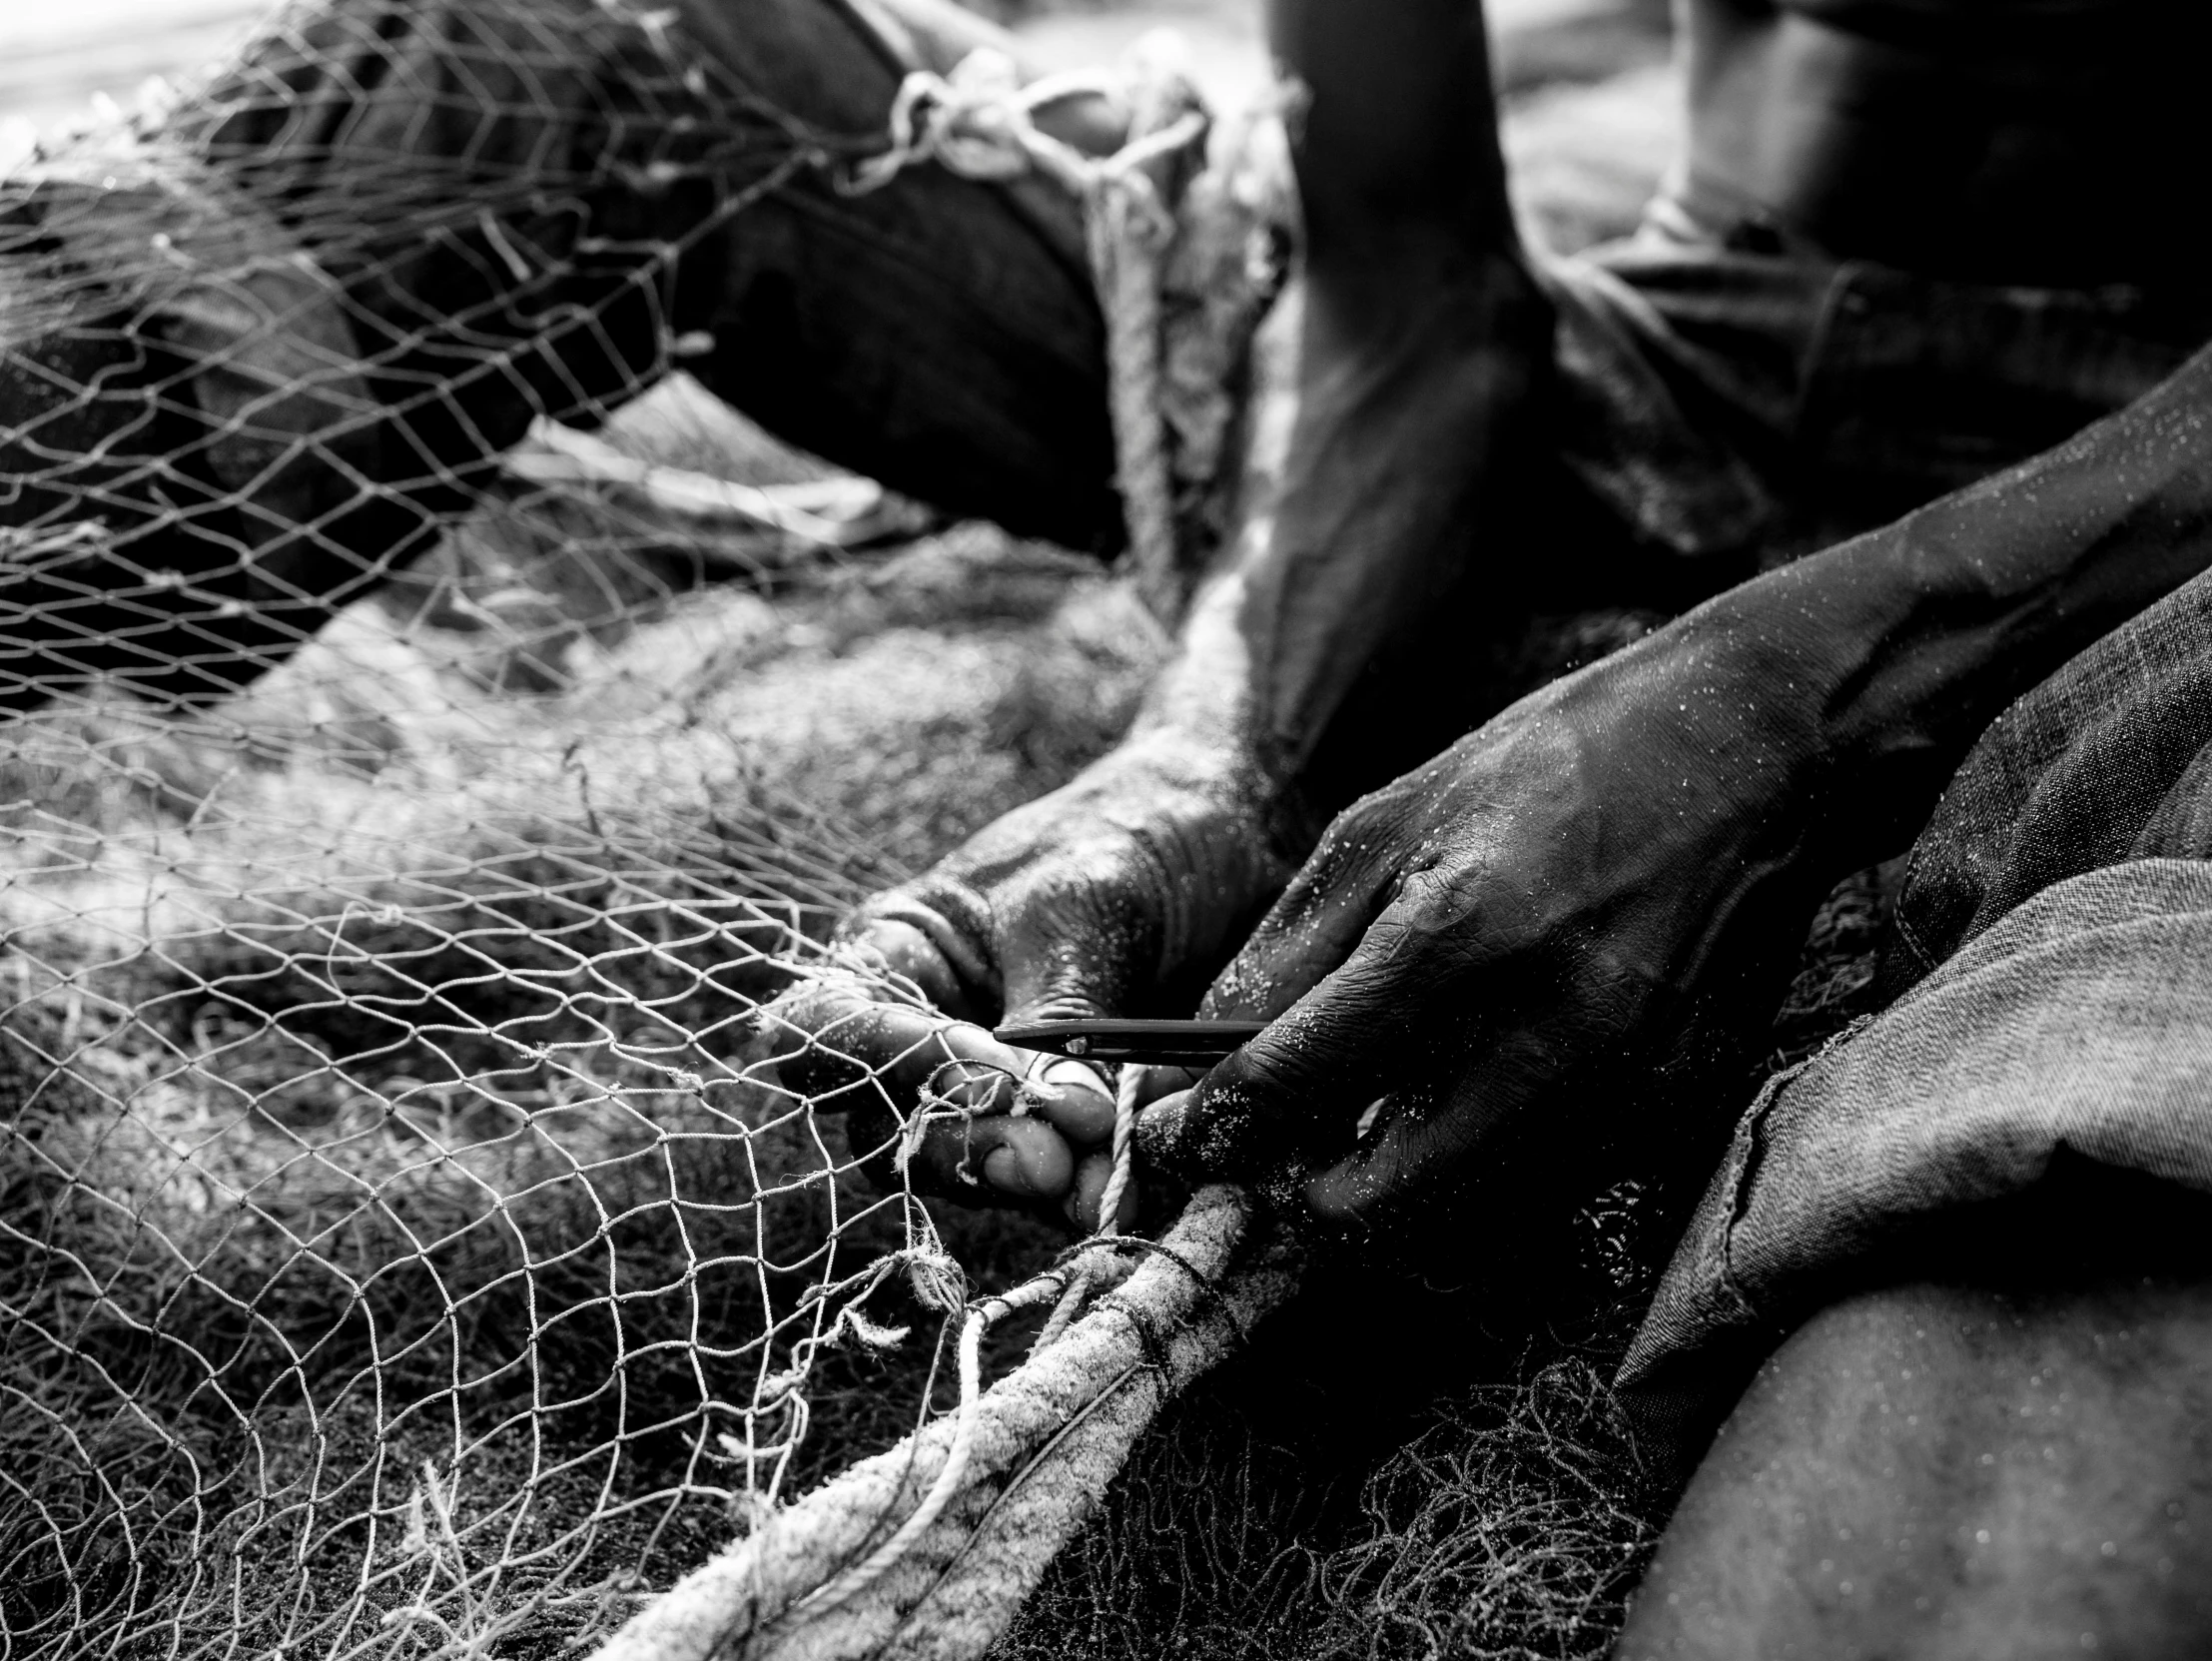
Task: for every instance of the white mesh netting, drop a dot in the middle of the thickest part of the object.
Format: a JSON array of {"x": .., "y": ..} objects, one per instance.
[{"x": 407, "y": 1244}]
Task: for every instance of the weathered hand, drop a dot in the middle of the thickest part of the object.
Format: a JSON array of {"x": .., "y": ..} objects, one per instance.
[
  {"x": 1555, "y": 892},
  {"x": 1633, "y": 852},
  {"x": 1138, "y": 874}
]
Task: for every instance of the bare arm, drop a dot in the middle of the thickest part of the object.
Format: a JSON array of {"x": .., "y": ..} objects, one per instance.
[
  {"x": 1559, "y": 893},
  {"x": 1422, "y": 337}
]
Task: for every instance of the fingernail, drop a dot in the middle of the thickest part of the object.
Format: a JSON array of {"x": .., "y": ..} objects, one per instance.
[
  {"x": 1066, "y": 1073},
  {"x": 1002, "y": 1169}
]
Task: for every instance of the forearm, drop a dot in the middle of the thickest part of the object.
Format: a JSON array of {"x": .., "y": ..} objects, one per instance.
[
  {"x": 1418, "y": 336},
  {"x": 1875, "y": 666},
  {"x": 1381, "y": 502}
]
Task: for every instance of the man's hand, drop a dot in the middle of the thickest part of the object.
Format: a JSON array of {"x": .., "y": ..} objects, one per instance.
[
  {"x": 1138, "y": 874},
  {"x": 1642, "y": 842},
  {"x": 1552, "y": 892}
]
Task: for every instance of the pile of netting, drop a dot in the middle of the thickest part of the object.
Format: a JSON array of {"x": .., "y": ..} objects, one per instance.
[
  {"x": 407, "y": 1244},
  {"x": 434, "y": 734}
]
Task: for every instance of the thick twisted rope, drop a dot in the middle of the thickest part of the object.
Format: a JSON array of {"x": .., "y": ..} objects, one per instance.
[
  {"x": 1087, "y": 1273},
  {"x": 986, "y": 1497},
  {"x": 1031, "y": 1461}
]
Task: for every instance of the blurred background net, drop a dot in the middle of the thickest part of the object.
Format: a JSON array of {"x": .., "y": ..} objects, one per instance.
[
  {"x": 431, "y": 728},
  {"x": 406, "y": 1245}
]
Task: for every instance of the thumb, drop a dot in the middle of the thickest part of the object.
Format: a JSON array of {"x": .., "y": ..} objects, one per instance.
[
  {"x": 1076, "y": 955},
  {"x": 936, "y": 933}
]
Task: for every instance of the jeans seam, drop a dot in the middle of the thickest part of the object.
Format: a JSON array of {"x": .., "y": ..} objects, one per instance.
[
  {"x": 1840, "y": 285},
  {"x": 1752, "y": 1131}
]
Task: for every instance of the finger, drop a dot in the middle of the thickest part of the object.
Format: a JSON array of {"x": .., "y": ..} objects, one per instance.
[
  {"x": 999, "y": 1125},
  {"x": 1154, "y": 1084},
  {"x": 976, "y": 1159},
  {"x": 1404, "y": 1007},
  {"x": 1317, "y": 924},
  {"x": 1415, "y": 1149},
  {"x": 1275, "y": 1102},
  {"x": 1402, "y": 1156},
  {"x": 930, "y": 931},
  {"x": 905, "y": 951},
  {"x": 1088, "y": 1191},
  {"x": 1313, "y": 929},
  {"x": 1072, "y": 951},
  {"x": 1162, "y": 1131},
  {"x": 1078, "y": 1102},
  {"x": 851, "y": 1051},
  {"x": 846, "y": 1048},
  {"x": 994, "y": 1160}
]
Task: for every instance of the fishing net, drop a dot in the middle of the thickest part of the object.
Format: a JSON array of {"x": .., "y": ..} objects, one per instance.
[{"x": 414, "y": 811}]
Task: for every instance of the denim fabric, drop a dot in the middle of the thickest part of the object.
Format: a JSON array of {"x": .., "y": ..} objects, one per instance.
[
  {"x": 1721, "y": 391},
  {"x": 2054, "y": 944},
  {"x": 274, "y": 346},
  {"x": 938, "y": 335},
  {"x": 2105, "y": 761}
]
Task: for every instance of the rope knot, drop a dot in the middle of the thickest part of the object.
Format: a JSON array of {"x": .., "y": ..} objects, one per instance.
[
  {"x": 1187, "y": 257},
  {"x": 977, "y": 122}
]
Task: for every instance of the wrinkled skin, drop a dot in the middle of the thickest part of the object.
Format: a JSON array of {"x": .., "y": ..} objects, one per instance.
[
  {"x": 1618, "y": 864},
  {"x": 1560, "y": 886},
  {"x": 1418, "y": 340},
  {"x": 1578, "y": 881},
  {"x": 1141, "y": 871},
  {"x": 1567, "y": 879},
  {"x": 1629, "y": 857}
]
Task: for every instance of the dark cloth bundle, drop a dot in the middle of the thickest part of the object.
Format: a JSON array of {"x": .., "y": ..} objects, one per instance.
[{"x": 2039, "y": 1093}]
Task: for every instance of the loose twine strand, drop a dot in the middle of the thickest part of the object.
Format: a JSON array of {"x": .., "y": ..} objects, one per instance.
[
  {"x": 1083, "y": 1272},
  {"x": 887, "y": 1556},
  {"x": 1088, "y": 1270},
  {"x": 980, "y": 122}
]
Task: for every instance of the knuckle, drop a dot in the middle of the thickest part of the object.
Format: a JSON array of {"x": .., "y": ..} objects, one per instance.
[
  {"x": 1435, "y": 900},
  {"x": 948, "y": 920},
  {"x": 1351, "y": 836},
  {"x": 1262, "y": 1069}
]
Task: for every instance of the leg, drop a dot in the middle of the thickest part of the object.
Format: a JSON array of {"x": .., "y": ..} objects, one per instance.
[
  {"x": 1424, "y": 338},
  {"x": 939, "y": 335},
  {"x": 273, "y": 351},
  {"x": 1399, "y": 143},
  {"x": 1385, "y": 607},
  {"x": 1959, "y": 1472}
]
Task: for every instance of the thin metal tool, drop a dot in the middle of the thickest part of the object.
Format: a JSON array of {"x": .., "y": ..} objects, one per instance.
[{"x": 1152, "y": 1042}]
